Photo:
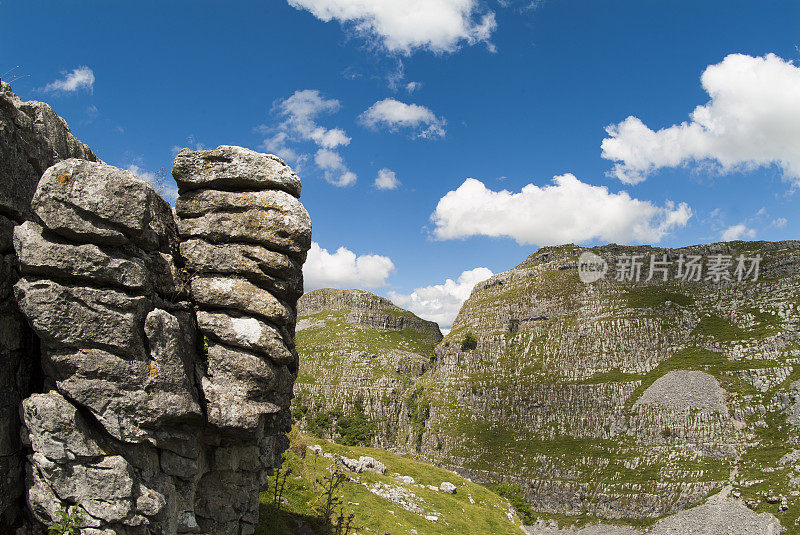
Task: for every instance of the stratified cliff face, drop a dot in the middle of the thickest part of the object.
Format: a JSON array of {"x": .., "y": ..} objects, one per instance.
[
  {"x": 32, "y": 138},
  {"x": 626, "y": 399},
  {"x": 168, "y": 370},
  {"x": 361, "y": 360}
]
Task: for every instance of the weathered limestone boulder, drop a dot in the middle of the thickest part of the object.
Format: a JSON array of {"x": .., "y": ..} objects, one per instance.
[
  {"x": 273, "y": 219},
  {"x": 149, "y": 424},
  {"x": 96, "y": 203},
  {"x": 232, "y": 169},
  {"x": 118, "y": 351},
  {"x": 32, "y": 138}
]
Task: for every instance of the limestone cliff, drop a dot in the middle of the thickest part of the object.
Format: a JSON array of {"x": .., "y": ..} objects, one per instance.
[
  {"x": 157, "y": 368},
  {"x": 625, "y": 399},
  {"x": 361, "y": 355}
]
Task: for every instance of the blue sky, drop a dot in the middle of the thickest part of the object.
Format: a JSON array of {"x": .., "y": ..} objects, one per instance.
[{"x": 508, "y": 93}]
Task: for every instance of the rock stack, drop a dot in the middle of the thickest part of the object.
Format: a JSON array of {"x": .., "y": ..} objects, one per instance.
[
  {"x": 244, "y": 238},
  {"x": 145, "y": 423}
]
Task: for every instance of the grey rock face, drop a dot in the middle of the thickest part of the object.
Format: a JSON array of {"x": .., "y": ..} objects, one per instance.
[
  {"x": 244, "y": 252},
  {"x": 146, "y": 426},
  {"x": 247, "y": 333},
  {"x": 96, "y": 203},
  {"x": 52, "y": 256},
  {"x": 270, "y": 269},
  {"x": 32, "y": 138},
  {"x": 273, "y": 219}
]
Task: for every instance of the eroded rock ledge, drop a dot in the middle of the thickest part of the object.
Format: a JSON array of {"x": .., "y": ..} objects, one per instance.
[{"x": 167, "y": 343}]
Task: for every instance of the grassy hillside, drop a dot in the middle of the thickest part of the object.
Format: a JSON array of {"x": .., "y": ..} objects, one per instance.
[{"x": 472, "y": 509}]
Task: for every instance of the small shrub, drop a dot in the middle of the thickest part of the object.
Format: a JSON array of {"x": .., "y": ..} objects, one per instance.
[
  {"x": 300, "y": 407},
  {"x": 469, "y": 343},
  {"x": 321, "y": 424},
  {"x": 297, "y": 443},
  {"x": 68, "y": 523},
  {"x": 204, "y": 348},
  {"x": 513, "y": 493},
  {"x": 355, "y": 429}
]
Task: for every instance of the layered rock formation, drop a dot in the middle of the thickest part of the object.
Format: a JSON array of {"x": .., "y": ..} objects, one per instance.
[
  {"x": 625, "y": 399},
  {"x": 32, "y": 138},
  {"x": 166, "y": 381},
  {"x": 362, "y": 357}
]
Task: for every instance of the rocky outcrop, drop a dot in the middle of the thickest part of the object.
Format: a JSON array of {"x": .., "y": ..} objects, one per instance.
[
  {"x": 167, "y": 380},
  {"x": 613, "y": 400},
  {"x": 362, "y": 357},
  {"x": 32, "y": 138}
]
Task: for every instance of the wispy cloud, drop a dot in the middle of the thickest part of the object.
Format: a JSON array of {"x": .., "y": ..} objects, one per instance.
[
  {"x": 300, "y": 113},
  {"x": 72, "y": 82}
]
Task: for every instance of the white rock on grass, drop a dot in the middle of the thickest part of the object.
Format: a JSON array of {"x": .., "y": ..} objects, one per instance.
[{"x": 447, "y": 487}]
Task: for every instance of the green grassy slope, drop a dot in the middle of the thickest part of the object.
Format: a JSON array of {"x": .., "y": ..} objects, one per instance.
[{"x": 473, "y": 509}]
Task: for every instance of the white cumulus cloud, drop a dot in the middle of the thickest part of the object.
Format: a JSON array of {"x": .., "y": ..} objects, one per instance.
[
  {"x": 386, "y": 179},
  {"x": 738, "y": 232},
  {"x": 393, "y": 114},
  {"x": 566, "y": 211},
  {"x": 441, "y": 302},
  {"x": 752, "y": 120},
  {"x": 344, "y": 269},
  {"x": 80, "y": 78},
  {"x": 404, "y": 26},
  {"x": 300, "y": 113}
]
